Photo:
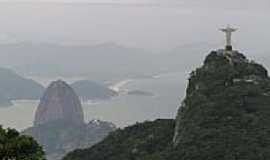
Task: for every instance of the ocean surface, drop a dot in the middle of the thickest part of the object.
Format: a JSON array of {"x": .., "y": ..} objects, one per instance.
[{"x": 124, "y": 110}]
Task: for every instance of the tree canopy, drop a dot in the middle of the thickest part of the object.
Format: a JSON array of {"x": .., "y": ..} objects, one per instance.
[
  {"x": 140, "y": 141},
  {"x": 224, "y": 116},
  {"x": 14, "y": 146}
]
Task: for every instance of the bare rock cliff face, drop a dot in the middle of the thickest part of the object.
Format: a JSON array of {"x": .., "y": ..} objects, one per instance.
[
  {"x": 59, "y": 123},
  {"x": 59, "y": 102}
]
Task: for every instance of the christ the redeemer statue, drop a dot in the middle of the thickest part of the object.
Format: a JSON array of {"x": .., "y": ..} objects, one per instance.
[{"x": 228, "y": 31}]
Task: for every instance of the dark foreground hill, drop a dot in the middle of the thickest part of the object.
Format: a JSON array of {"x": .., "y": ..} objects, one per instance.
[
  {"x": 138, "y": 141},
  {"x": 224, "y": 116},
  {"x": 226, "y": 112}
]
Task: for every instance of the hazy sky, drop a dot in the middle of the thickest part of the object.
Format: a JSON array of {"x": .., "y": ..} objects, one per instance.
[
  {"x": 161, "y": 24},
  {"x": 241, "y": 3}
]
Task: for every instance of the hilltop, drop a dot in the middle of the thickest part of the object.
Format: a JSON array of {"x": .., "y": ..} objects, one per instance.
[{"x": 224, "y": 116}]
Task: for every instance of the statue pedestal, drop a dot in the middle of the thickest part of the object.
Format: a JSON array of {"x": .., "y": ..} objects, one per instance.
[{"x": 228, "y": 48}]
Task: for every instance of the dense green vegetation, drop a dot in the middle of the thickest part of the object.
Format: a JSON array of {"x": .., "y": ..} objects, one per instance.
[
  {"x": 135, "y": 142},
  {"x": 226, "y": 113},
  {"x": 224, "y": 116},
  {"x": 14, "y": 146}
]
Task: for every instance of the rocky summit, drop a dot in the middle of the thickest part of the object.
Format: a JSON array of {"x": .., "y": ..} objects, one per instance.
[
  {"x": 59, "y": 102},
  {"x": 59, "y": 123}
]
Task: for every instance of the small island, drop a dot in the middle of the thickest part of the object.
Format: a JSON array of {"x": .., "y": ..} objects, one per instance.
[
  {"x": 90, "y": 90},
  {"x": 140, "y": 93}
]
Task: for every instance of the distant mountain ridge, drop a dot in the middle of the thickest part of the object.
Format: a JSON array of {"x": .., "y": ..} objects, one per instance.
[
  {"x": 46, "y": 59},
  {"x": 106, "y": 61},
  {"x": 15, "y": 87}
]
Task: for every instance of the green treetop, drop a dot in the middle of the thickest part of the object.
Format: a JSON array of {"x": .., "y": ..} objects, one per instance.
[{"x": 14, "y": 146}]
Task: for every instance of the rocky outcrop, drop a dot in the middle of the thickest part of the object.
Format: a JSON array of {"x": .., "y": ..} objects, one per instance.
[
  {"x": 59, "y": 123},
  {"x": 59, "y": 102}
]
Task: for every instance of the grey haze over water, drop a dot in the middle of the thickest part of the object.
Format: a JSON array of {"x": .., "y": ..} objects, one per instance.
[
  {"x": 114, "y": 40},
  {"x": 124, "y": 110}
]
